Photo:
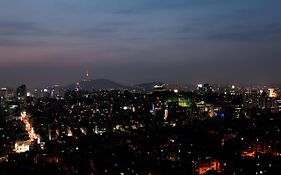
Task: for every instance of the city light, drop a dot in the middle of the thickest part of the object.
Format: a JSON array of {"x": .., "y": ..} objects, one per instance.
[{"x": 23, "y": 146}]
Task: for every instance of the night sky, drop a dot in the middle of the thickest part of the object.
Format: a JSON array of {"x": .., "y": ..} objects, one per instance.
[{"x": 46, "y": 42}]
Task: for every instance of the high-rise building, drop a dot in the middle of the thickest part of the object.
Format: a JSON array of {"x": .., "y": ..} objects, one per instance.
[
  {"x": 233, "y": 90},
  {"x": 250, "y": 98},
  {"x": 21, "y": 92},
  {"x": 204, "y": 88},
  {"x": 278, "y": 105},
  {"x": 3, "y": 94}
]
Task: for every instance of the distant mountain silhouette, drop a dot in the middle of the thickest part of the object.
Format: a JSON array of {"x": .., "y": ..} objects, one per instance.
[{"x": 96, "y": 84}]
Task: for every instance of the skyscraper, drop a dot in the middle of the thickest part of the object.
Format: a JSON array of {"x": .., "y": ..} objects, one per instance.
[{"x": 21, "y": 92}]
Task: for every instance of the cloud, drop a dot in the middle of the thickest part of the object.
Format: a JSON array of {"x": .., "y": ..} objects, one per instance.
[
  {"x": 21, "y": 42},
  {"x": 19, "y": 28},
  {"x": 247, "y": 33},
  {"x": 125, "y": 11},
  {"x": 20, "y": 33},
  {"x": 105, "y": 30}
]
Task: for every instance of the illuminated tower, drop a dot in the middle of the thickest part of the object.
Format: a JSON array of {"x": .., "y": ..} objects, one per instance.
[{"x": 87, "y": 75}]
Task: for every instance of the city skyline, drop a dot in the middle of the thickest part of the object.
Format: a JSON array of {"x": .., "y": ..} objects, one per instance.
[
  {"x": 104, "y": 83},
  {"x": 131, "y": 42}
]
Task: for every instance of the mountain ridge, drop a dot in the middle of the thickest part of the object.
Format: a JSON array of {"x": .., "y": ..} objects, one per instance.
[{"x": 95, "y": 84}]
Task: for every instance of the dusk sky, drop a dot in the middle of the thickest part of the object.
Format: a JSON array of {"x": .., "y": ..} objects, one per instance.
[{"x": 45, "y": 42}]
